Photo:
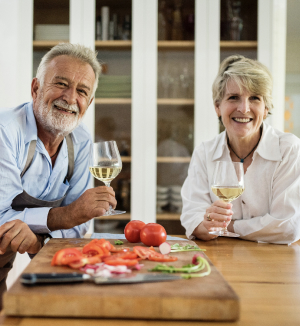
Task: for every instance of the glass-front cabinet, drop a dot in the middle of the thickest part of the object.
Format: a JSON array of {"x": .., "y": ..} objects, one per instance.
[
  {"x": 176, "y": 87},
  {"x": 175, "y": 106},
  {"x": 113, "y": 98},
  {"x": 185, "y": 30}
]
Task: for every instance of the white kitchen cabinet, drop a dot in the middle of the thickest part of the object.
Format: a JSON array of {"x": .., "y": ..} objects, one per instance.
[{"x": 156, "y": 126}]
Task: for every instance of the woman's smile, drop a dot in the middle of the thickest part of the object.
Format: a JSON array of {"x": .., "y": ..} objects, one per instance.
[{"x": 242, "y": 113}]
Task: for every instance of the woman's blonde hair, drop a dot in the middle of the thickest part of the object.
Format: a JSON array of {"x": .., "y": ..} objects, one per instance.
[{"x": 248, "y": 74}]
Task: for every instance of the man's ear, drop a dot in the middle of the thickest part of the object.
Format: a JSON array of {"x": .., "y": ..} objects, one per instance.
[
  {"x": 91, "y": 101},
  {"x": 35, "y": 86}
]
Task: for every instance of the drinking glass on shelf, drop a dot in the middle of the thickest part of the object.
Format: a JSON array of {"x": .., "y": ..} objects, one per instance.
[
  {"x": 228, "y": 185},
  {"x": 185, "y": 81},
  {"x": 105, "y": 165},
  {"x": 165, "y": 81}
]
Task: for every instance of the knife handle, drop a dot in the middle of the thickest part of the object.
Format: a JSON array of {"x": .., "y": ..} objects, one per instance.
[{"x": 41, "y": 278}]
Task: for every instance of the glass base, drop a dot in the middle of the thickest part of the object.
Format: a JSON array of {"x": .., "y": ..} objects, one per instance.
[
  {"x": 113, "y": 212},
  {"x": 224, "y": 233}
]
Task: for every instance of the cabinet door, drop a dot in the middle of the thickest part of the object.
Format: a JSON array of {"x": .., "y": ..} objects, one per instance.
[
  {"x": 113, "y": 98},
  {"x": 238, "y": 32},
  {"x": 175, "y": 107},
  {"x": 292, "y": 80},
  {"x": 50, "y": 26}
]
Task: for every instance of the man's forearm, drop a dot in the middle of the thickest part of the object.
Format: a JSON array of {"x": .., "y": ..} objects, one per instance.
[{"x": 59, "y": 219}]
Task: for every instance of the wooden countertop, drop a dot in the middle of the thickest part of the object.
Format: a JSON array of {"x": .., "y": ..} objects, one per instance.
[{"x": 266, "y": 277}]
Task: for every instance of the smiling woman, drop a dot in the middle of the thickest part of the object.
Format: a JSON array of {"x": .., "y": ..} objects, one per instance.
[{"x": 268, "y": 209}]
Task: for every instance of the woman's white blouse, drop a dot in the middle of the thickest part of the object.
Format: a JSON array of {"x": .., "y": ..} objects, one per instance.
[{"x": 269, "y": 208}]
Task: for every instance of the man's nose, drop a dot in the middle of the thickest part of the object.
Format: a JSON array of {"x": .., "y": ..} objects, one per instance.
[{"x": 70, "y": 95}]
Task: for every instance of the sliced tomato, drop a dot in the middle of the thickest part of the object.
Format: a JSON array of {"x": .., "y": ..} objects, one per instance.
[
  {"x": 92, "y": 249},
  {"x": 103, "y": 243},
  {"x": 77, "y": 264},
  {"x": 85, "y": 261},
  {"x": 142, "y": 252},
  {"x": 161, "y": 258},
  {"x": 119, "y": 250},
  {"x": 151, "y": 254},
  {"x": 120, "y": 261},
  {"x": 123, "y": 255},
  {"x": 66, "y": 256}
]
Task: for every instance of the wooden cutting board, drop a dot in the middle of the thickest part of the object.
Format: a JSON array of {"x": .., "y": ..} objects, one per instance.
[{"x": 206, "y": 298}]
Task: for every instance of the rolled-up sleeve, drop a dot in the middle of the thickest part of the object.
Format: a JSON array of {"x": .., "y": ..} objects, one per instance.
[
  {"x": 13, "y": 152},
  {"x": 282, "y": 224}
]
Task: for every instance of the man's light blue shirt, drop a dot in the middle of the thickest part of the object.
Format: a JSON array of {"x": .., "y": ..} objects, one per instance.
[{"x": 42, "y": 181}]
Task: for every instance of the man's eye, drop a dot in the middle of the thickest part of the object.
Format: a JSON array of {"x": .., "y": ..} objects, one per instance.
[
  {"x": 82, "y": 91},
  {"x": 61, "y": 84},
  {"x": 254, "y": 98},
  {"x": 233, "y": 97}
]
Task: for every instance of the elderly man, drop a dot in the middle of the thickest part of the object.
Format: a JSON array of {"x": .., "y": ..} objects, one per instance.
[{"x": 44, "y": 153}]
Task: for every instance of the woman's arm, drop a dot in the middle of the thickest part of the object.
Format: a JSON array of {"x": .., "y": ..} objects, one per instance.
[
  {"x": 282, "y": 224},
  {"x": 197, "y": 203}
]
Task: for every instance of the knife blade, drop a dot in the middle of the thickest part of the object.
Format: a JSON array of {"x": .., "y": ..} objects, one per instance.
[{"x": 50, "y": 278}]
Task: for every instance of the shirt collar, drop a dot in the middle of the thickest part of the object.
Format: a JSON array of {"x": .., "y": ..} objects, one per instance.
[
  {"x": 31, "y": 128},
  {"x": 220, "y": 145},
  {"x": 268, "y": 147}
]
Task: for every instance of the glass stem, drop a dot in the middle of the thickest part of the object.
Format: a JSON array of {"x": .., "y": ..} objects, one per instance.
[
  {"x": 225, "y": 228},
  {"x": 109, "y": 212}
]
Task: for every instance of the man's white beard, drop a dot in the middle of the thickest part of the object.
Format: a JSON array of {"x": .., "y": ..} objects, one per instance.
[{"x": 54, "y": 121}]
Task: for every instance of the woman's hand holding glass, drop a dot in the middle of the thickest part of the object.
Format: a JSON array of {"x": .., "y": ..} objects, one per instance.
[
  {"x": 217, "y": 216},
  {"x": 228, "y": 185}
]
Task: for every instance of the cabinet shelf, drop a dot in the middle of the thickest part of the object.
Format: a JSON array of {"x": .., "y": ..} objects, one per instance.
[
  {"x": 171, "y": 159},
  {"x": 46, "y": 44},
  {"x": 175, "y": 45},
  {"x": 113, "y": 101},
  {"x": 238, "y": 45},
  {"x": 160, "y": 101},
  {"x": 168, "y": 216},
  {"x": 162, "y": 45},
  {"x": 118, "y": 44},
  {"x": 175, "y": 101},
  {"x": 189, "y": 45},
  {"x": 126, "y": 159},
  {"x": 163, "y": 159},
  {"x": 126, "y": 217},
  {"x": 123, "y": 217}
]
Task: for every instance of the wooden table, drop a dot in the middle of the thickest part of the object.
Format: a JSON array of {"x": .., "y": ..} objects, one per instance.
[{"x": 266, "y": 278}]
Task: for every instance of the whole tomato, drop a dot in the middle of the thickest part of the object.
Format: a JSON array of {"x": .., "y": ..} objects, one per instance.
[
  {"x": 132, "y": 230},
  {"x": 153, "y": 234}
]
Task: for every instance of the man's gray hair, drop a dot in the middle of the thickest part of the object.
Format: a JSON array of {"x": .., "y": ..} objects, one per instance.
[{"x": 77, "y": 51}]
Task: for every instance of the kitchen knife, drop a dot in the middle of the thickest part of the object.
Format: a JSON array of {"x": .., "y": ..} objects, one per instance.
[{"x": 41, "y": 278}]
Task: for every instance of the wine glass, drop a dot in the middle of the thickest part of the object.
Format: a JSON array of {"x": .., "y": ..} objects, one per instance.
[
  {"x": 105, "y": 165},
  {"x": 228, "y": 185}
]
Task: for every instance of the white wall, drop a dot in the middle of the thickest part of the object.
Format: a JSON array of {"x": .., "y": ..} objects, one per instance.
[
  {"x": 16, "y": 51},
  {"x": 271, "y": 52},
  {"x": 16, "y": 26}
]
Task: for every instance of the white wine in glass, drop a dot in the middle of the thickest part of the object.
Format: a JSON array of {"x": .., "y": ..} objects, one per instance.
[
  {"x": 228, "y": 185},
  {"x": 105, "y": 165}
]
